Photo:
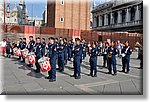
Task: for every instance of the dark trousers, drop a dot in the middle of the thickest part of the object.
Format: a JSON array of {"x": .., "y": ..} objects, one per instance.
[
  {"x": 69, "y": 54},
  {"x": 112, "y": 62},
  {"x": 105, "y": 60},
  {"x": 77, "y": 63},
  {"x": 125, "y": 64},
  {"x": 52, "y": 72},
  {"x": 84, "y": 54},
  {"x": 93, "y": 65},
  {"x": 65, "y": 57},
  {"x": 38, "y": 67},
  {"x": 61, "y": 62}
]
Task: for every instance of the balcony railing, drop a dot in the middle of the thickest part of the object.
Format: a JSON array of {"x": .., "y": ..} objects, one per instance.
[{"x": 126, "y": 24}]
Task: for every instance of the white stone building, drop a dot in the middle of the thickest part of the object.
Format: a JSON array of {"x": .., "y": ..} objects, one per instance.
[
  {"x": 118, "y": 15},
  {"x": 16, "y": 16}
]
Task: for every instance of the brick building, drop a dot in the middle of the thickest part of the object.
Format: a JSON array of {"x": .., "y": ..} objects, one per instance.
[{"x": 69, "y": 14}]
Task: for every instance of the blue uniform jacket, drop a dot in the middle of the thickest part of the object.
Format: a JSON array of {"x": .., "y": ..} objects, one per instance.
[
  {"x": 22, "y": 45},
  {"x": 66, "y": 47},
  {"x": 78, "y": 51},
  {"x": 113, "y": 50},
  {"x": 52, "y": 51},
  {"x": 70, "y": 46},
  {"x": 129, "y": 51},
  {"x": 43, "y": 48},
  {"x": 61, "y": 48},
  {"x": 84, "y": 47},
  {"x": 30, "y": 46},
  {"x": 93, "y": 53},
  {"x": 38, "y": 49}
]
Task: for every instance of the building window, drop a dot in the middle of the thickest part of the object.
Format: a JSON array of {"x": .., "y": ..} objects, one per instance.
[
  {"x": 62, "y": 2},
  {"x": 61, "y": 19}
]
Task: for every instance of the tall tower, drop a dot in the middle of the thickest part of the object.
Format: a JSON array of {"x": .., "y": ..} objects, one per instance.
[{"x": 69, "y": 14}]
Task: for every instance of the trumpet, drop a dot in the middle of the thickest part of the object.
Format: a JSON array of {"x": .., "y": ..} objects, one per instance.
[{"x": 110, "y": 55}]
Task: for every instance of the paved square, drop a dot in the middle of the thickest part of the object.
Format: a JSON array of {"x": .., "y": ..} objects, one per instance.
[{"x": 19, "y": 79}]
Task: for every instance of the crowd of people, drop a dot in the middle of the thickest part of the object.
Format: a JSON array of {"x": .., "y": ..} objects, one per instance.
[{"x": 60, "y": 51}]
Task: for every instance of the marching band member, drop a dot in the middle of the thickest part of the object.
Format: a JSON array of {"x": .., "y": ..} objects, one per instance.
[
  {"x": 23, "y": 47},
  {"x": 53, "y": 57},
  {"x": 77, "y": 59},
  {"x": 66, "y": 50},
  {"x": 8, "y": 47},
  {"x": 105, "y": 54},
  {"x": 93, "y": 60},
  {"x": 30, "y": 47},
  {"x": 43, "y": 46},
  {"x": 84, "y": 49},
  {"x": 112, "y": 52},
  {"x": 70, "y": 48},
  {"x": 61, "y": 52},
  {"x": 126, "y": 52},
  {"x": 38, "y": 54},
  {"x": 20, "y": 47}
]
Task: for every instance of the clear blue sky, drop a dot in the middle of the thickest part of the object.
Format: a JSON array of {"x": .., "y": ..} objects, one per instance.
[{"x": 36, "y": 7}]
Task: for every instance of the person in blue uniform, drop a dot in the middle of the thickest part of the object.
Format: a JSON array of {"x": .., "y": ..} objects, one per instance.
[
  {"x": 53, "y": 56},
  {"x": 77, "y": 59},
  {"x": 20, "y": 47},
  {"x": 38, "y": 54},
  {"x": 24, "y": 44},
  {"x": 126, "y": 52},
  {"x": 43, "y": 46},
  {"x": 8, "y": 47},
  {"x": 30, "y": 47},
  {"x": 105, "y": 54},
  {"x": 57, "y": 45},
  {"x": 112, "y": 52},
  {"x": 70, "y": 48},
  {"x": 93, "y": 60},
  {"x": 66, "y": 51},
  {"x": 84, "y": 49},
  {"x": 61, "y": 52}
]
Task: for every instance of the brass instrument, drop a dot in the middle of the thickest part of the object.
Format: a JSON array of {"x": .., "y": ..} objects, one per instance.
[{"x": 109, "y": 55}]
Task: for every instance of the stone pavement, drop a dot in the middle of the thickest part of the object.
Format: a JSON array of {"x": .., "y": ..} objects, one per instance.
[{"x": 19, "y": 79}]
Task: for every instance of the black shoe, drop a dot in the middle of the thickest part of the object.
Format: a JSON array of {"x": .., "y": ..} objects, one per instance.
[
  {"x": 94, "y": 76},
  {"x": 30, "y": 65},
  {"x": 108, "y": 73},
  {"x": 123, "y": 71},
  {"x": 90, "y": 74},
  {"x": 61, "y": 70},
  {"x": 48, "y": 77},
  {"x": 72, "y": 76},
  {"x": 78, "y": 77},
  {"x": 52, "y": 80},
  {"x": 22, "y": 61},
  {"x": 114, "y": 74},
  {"x": 36, "y": 71},
  {"x": 127, "y": 72}
]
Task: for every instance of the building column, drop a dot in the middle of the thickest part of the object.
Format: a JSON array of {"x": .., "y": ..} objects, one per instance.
[
  {"x": 105, "y": 19},
  {"x": 100, "y": 20},
  {"x": 119, "y": 17},
  {"x": 111, "y": 18},
  {"x": 137, "y": 13},
  {"x": 128, "y": 15},
  {"x": 94, "y": 22}
]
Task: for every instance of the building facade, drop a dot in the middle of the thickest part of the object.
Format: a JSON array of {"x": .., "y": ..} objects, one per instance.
[
  {"x": 69, "y": 14},
  {"x": 119, "y": 16},
  {"x": 16, "y": 16},
  {"x": 44, "y": 14}
]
